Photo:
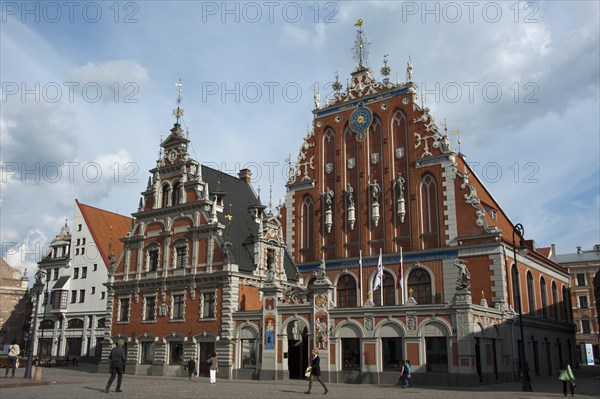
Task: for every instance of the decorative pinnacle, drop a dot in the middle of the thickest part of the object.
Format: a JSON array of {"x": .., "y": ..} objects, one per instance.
[
  {"x": 385, "y": 69},
  {"x": 337, "y": 86},
  {"x": 178, "y": 112},
  {"x": 361, "y": 46}
]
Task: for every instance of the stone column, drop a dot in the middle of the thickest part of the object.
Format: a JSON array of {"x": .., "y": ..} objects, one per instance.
[
  {"x": 322, "y": 298},
  {"x": 270, "y": 369}
]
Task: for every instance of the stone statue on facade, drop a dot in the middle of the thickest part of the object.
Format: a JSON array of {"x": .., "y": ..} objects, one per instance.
[{"x": 463, "y": 280}]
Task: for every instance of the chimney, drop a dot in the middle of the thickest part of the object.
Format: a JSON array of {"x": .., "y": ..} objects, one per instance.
[
  {"x": 597, "y": 247},
  {"x": 245, "y": 175},
  {"x": 553, "y": 249},
  {"x": 578, "y": 250}
]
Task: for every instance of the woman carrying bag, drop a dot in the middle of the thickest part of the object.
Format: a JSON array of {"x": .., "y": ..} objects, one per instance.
[
  {"x": 315, "y": 371},
  {"x": 567, "y": 377}
]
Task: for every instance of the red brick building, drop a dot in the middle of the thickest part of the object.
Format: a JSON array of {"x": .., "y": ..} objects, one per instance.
[
  {"x": 377, "y": 175},
  {"x": 376, "y": 183}
]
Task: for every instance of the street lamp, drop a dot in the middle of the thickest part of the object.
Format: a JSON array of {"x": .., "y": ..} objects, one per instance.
[
  {"x": 38, "y": 288},
  {"x": 520, "y": 231}
]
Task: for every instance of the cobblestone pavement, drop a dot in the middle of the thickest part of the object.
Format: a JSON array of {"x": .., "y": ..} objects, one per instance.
[{"x": 69, "y": 382}]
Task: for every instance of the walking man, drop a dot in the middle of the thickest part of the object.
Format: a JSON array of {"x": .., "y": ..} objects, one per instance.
[{"x": 117, "y": 365}]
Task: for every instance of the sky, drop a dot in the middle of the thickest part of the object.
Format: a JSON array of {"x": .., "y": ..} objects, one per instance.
[{"x": 88, "y": 90}]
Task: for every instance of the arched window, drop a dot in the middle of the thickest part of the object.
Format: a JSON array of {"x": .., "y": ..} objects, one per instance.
[
  {"x": 389, "y": 289},
  {"x": 544, "y": 296},
  {"x": 165, "y": 195},
  {"x": 530, "y": 294},
  {"x": 75, "y": 323},
  {"x": 346, "y": 292},
  {"x": 429, "y": 212},
  {"x": 515, "y": 286},
  {"x": 307, "y": 226},
  {"x": 555, "y": 301},
  {"x": 176, "y": 193},
  {"x": 565, "y": 306},
  {"x": 419, "y": 282}
]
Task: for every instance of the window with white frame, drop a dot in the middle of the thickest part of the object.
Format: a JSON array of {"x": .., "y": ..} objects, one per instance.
[
  {"x": 152, "y": 258},
  {"x": 208, "y": 305},
  {"x": 150, "y": 308},
  {"x": 580, "y": 279},
  {"x": 583, "y": 302},
  {"x": 178, "y": 307},
  {"x": 586, "y": 327},
  {"x": 124, "y": 309},
  {"x": 181, "y": 255}
]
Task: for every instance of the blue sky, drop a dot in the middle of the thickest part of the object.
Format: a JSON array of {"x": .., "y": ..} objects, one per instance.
[{"x": 519, "y": 79}]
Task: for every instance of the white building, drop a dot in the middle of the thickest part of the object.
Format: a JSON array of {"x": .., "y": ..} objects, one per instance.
[{"x": 72, "y": 322}]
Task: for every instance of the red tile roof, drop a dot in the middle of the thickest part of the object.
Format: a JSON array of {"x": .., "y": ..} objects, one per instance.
[
  {"x": 107, "y": 228},
  {"x": 544, "y": 251}
]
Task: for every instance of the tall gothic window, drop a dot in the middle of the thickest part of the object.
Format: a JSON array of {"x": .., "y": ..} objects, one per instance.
[
  {"x": 346, "y": 292},
  {"x": 515, "y": 286},
  {"x": 419, "y": 282},
  {"x": 530, "y": 294},
  {"x": 429, "y": 212},
  {"x": 307, "y": 226},
  {"x": 544, "y": 295},
  {"x": 389, "y": 289}
]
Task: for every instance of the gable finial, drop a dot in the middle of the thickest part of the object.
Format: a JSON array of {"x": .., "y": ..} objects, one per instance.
[
  {"x": 361, "y": 46},
  {"x": 178, "y": 112}
]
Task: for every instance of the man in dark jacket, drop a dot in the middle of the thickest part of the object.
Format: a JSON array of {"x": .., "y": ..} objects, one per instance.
[{"x": 117, "y": 365}]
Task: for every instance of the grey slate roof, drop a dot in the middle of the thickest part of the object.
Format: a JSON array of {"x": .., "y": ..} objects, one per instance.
[
  {"x": 582, "y": 257},
  {"x": 243, "y": 227}
]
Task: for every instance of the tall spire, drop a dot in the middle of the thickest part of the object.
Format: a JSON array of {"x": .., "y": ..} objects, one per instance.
[
  {"x": 178, "y": 112},
  {"x": 361, "y": 46}
]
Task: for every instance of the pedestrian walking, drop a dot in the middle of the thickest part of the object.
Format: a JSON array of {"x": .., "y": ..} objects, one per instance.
[
  {"x": 405, "y": 374},
  {"x": 315, "y": 371},
  {"x": 565, "y": 374},
  {"x": 117, "y": 359},
  {"x": 191, "y": 367},
  {"x": 13, "y": 354},
  {"x": 214, "y": 367}
]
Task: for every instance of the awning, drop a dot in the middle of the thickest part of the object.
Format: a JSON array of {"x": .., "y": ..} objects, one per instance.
[{"x": 61, "y": 282}]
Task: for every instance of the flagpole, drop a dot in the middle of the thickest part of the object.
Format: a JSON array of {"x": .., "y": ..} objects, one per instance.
[
  {"x": 360, "y": 278},
  {"x": 381, "y": 278},
  {"x": 402, "y": 276}
]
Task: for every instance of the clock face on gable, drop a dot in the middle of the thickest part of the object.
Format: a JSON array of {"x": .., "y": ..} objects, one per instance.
[{"x": 360, "y": 120}]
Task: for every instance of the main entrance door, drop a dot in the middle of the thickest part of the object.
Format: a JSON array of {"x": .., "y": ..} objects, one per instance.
[
  {"x": 297, "y": 349},
  {"x": 206, "y": 348}
]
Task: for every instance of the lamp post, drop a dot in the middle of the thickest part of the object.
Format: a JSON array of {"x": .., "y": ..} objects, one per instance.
[
  {"x": 38, "y": 287},
  {"x": 526, "y": 387}
]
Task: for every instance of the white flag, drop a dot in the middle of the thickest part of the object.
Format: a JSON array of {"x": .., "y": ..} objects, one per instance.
[{"x": 379, "y": 275}]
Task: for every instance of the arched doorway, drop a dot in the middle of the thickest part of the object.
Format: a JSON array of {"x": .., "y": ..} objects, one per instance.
[{"x": 297, "y": 332}]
